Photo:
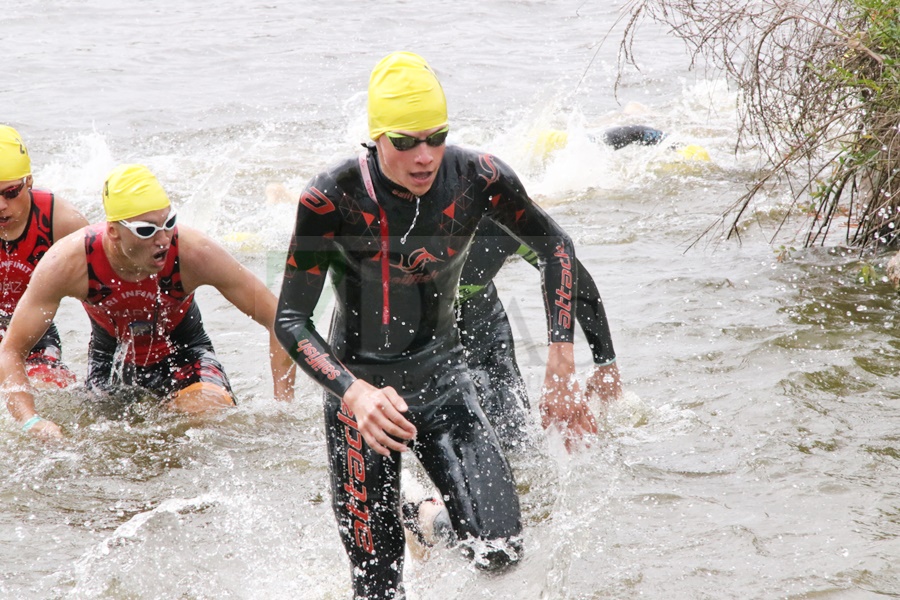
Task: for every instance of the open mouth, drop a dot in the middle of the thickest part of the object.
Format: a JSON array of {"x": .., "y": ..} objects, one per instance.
[
  {"x": 160, "y": 256},
  {"x": 420, "y": 177}
]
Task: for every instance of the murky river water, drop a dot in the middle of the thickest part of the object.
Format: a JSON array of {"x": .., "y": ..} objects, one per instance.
[{"x": 756, "y": 452}]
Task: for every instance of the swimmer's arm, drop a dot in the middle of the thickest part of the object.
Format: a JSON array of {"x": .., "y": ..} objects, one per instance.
[
  {"x": 204, "y": 262},
  {"x": 530, "y": 225},
  {"x": 378, "y": 411},
  {"x": 604, "y": 380},
  {"x": 305, "y": 272},
  {"x": 589, "y": 310},
  {"x": 561, "y": 401},
  {"x": 66, "y": 218},
  {"x": 592, "y": 316},
  {"x": 61, "y": 272}
]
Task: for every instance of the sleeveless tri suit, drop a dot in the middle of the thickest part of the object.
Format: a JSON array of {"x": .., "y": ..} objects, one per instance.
[
  {"x": 147, "y": 333},
  {"x": 18, "y": 259},
  {"x": 487, "y": 336},
  {"x": 394, "y": 263}
]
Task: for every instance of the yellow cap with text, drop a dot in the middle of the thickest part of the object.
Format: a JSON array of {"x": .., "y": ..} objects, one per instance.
[{"x": 132, "y": 190}]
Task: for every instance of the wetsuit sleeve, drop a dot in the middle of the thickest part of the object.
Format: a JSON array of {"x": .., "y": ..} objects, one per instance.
[
  {"x": 312, "y": 251},
  {"x": 592, "y": 317},
  {"x": 530, "y": 225},
  {"x": 589, "y": 310}
]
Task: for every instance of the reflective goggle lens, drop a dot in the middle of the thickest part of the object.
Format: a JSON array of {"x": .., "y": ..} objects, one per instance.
[
  {"x": 407, "y": 142},
  {"x": 13, "y": 192}
]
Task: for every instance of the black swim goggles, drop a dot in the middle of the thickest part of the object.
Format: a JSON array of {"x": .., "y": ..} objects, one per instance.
[
  {"x": 145, "y": 230},
  {"x": 11, "y": 193},
  {"x": 404, "y": 142}
]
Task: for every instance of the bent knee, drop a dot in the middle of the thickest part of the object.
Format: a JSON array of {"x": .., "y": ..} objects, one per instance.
[{"x": 200, "y": 397}]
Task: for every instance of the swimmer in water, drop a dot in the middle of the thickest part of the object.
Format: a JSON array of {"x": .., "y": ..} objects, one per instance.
[
  {"x": 487, "y": 336},
  {"x": 394, "y": 226},
  {"x": 136, "y": 275},
  {"x": 31, "y": 220},
  {"x": 550, "y": 140}
]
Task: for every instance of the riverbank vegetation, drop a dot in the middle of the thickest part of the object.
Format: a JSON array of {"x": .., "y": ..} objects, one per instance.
[{"x": 819, "y": 84}]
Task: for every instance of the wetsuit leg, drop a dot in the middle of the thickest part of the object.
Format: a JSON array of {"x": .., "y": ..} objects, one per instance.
[
  {"x": 365, "y": 489},
  {"x": 461, "y": 453},
  {"x": 457, "y": 448},
  {"x": 491, "y": 356}
]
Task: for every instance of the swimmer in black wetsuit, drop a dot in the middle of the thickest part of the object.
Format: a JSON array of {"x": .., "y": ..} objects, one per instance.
[
  {"x": 394, "y": 228},
  {"x": 487, "y": 336},
  {"x": 625, "y": 135},
  {"x": 548, "y": 141},
  {"x": 485, "y": 328}
]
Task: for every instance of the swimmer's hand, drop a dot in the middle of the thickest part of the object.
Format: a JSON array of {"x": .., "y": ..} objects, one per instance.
[
  {"x": 45, "y": 430},
  {"x": 378, "y": 416},
  {"x": 561, "y": 401},
  {"x": 605, "y": 383}
]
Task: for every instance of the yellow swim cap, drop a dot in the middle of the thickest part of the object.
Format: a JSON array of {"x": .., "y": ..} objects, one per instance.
[
  {"x": 404, "y": 95},
  {"x": 132, "y": 190},
  {"x": 693, "y": 152},
  {"x": 547, "y": 141},
  {"x": 14, "y": 160}
]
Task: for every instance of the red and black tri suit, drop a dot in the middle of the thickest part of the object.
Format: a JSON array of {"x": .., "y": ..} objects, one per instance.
[
  {"x": 146, "y": 333},
  {"x": 18, "y": 258},
  {"x": 395, "y": 265}
]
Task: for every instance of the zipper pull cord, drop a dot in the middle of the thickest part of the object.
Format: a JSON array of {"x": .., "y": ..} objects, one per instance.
[{"x": 413, "y": 224}]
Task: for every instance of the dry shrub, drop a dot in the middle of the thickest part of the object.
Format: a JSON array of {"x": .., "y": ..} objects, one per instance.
[{"x": 820, "y": 95}]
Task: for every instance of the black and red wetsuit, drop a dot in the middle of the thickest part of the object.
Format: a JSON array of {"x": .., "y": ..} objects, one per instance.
[
  {"x": 395, "y": 267},
  {"x": 18, "y": 259},
  {"x": 487, "y": 336},
  {"x": 145, "y": 333}
]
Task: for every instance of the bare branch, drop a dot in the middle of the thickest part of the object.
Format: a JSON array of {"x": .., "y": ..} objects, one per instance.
[{"x": 819, "y": 86}]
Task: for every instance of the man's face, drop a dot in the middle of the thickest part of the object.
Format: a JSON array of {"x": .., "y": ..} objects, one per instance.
[
  {"x": 15, "y": 204},
  {"x": 146, "y": 254},
  {"x": 416, "y": 168}
]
